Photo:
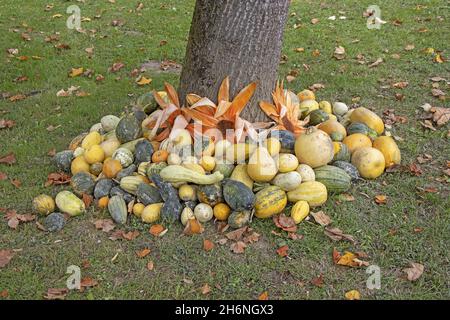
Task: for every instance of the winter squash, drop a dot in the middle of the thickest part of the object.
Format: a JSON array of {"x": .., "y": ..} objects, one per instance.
[
  {"x": 239, "y": 218},
  {"x": 370, "y": 118},
  {"x": 269, "y": 201},
  {"x": 306, "y": 172},
  {"x": 300, "y": 211},
  {"x": 63, "y": 160},
  {"x": 151, "y": 213},
  {"x": 153, "y": 168},
  {"x": 286, "y": 162},
  {"x": 109, "y": 122},
  {"x": 318, "y": 116},
  {"x": 143, "y": 151},
  {"x": 331, "y": 126},
  {"x": 287, "y": 181},
  {"x": 111, "y": 168},
  {"x": 118, "y": 209},
  {"x": 138, "y": 208},
  {"x": 237, "y": 195},
  {"x": 124, "y": 155},
  {"x": 94, "y": 154},
  {"x": 43, "y": 204},
  {"x": 307, "y": 106},
  {"x": 357, "y": 140},
  {"x": 92, "y": 139},
  {"x": 82, "y": 183},
  {"x": 286, "y": 138},
  {"x": 337, "y": 137},
  {"x": 226, "y": 169},
  {"x": 210, "y": 194},
  {"x": 128, "y": 171},
  {"x": 128, "y": 128},
  {"x": 103, "y": 187},
  {"x": 240, "y": 174},
  {"x": 326, "y": 106},
  {"x": 369, "y": 161},
  {"x": 69, "y": 203},
  {"x": 171, "y": 209},
  {"x": 79, "y": 165},
  {"x": 160, "y": 156},
  {"x": 203, "y": 212},
  {"x": 147, "y": 194},
  {"x": 359, "y": 127},
  {"x": 306, "y": 95},
  {"x": 187, "y": 193},
  {"x": 176, "y": 173},
  {"x": 389, "y": 149},
  {"x": 314, "y": 192},
  {"x": 339, "y": 108},
  {"x": 349, "y": 168},
  {"x": 314, "y": 148},
  {"x": 341, "y": 152},
  {"x": 221, "y": 211},
  {"x": 204, "y": 146},
  {"x": 96, "y": 168},
  {"x": 273, "y": 145},
  {"x": 130, "y": 184},
  {"x": 334, "y": 178},
  {"x": 103, "y": 202},
  {"x": 261, "y": 166},
  {"x": 208, "y": 163},
  {"x": 118, "y": 191}
]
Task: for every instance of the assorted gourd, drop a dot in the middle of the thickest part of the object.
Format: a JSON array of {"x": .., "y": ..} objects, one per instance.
[{"x": 186, "y": 176}]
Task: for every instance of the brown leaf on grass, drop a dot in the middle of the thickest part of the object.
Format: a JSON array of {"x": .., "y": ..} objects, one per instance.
[
  {"x": 3, "y": 176},
  {"x": 88, "y": 282},
  {"x": 318, "y": 281},
  {"x": 116, "y": 67},
  {"x": 321, "y": 218},
  {"x": 424, "y": 158},
  {"x": 264, "y": 296},
  {"x": 143, "y": 253},
  {"x": 162, "y": 43},
  {"x": 414, "y": 272},
  {"x": 316, "y": 86},
  {"x": 117, "y": 23},
  {"x": 17, "y": 97},
  {"x": 205, "y": 289},
  {"x": 336, "y": 234},
  {"x": 400, "y": 85},
  {"x": 193, "y": 227},
  {"x": 252, "y": 237},
  {"x": 106, "y": 225},
  {"x": 57, "y": 178},
  {"x": 4, "y": 294},
  {"x": 142, "y": 80},
  {"x": 290, "y": 78},
  {"x": 87, "y": 200},
  {"x": 150, "y": 265},
  {"x": 15, "y": 219},
  {"x": 349, "y": 259},
  {"x": 16, "y": 183},
  {"x": 51, "y": 152},
  {"x": 237, "y": 234},
  {"x": 376, "y": 63},
  {"x": 238, "y": 247},
  {"x": 285, "y": 223},
  {"x": 415, "y": 169},
  {"x": 56, "y": 294},
  {"x": 346, "y": 197},
  {"x": 428, "y": 124},
  {"x": 380, "y": 199},
  {"x": 208, "y": 245},
  {"x": 62, "y": 46},
  {"x": 314, "y": 21},
  {"x": 440, "y": 115},
  {"x": 26, "y": 36},
  {"x": 157, "y": 230},
  {"x": 339, "y": 53},
  {"x": 295, "y": 236},
  {"x": 10, "y": 159},
  {"x": 409, "y": 47},
  {"x": 131, "y": 235},
  {"x": 283, "y": 251},
  {"x": 6, "y": 124},
  {"x": 438, "y": 93},
  {"x": 5, "y": 257}
]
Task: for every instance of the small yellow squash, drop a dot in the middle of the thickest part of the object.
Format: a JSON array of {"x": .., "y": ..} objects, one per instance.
[
  {"x": 369, "y": 162},
  {"x": 357, "y": 140},
  {"x": 240, "y": 174},
  {"x": 43, "y": 204},
  {"x": 314, "y": 192},
  {"x": 94, "y": 154},
  {"x": 389, "y": 149},
  {"x": 269, "y": 201},
  {"x": 93, "y": 138},
  {"x": 370, "y": 118},
  {"x": 151, "y": 213},
  {"x": 287, "y": 162},
  {"x": 261, "y": 166},
  {"x": 79, "y": 164},
  {"x": 300, "y": 211}
]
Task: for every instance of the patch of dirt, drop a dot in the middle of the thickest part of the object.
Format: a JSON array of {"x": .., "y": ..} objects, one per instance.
[{"x": 166, "y": 66}]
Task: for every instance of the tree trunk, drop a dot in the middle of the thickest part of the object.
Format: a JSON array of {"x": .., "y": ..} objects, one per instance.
[{"x": 241, "y": 39}]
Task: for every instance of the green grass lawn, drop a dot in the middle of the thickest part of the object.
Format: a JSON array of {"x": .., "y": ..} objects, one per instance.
[{"x": 414, "y": 226}]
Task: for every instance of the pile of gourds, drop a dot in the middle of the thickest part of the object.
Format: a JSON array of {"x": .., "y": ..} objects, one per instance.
[{"x": 125, "y": 172}]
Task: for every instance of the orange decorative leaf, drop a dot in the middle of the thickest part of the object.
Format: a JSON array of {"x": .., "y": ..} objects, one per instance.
[
  {"x": 172, "y": 94},
  {"x": 264, "y": 296},
  {"x": 156, "y": 230},
  {"x": 240, "y": 101},
  {"x": 143, "y": 253},
  {"x": 224, "y": 90},
  {"x": 208, "y": 245}
]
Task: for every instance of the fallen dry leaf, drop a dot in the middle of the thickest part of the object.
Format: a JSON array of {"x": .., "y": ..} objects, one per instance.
[
  {"x": 353, "y": 295},
  {"x": 264, "y": 296},
  {"x": 321, "y": 218},
  {"x": 15, "y": 219},
  {"x": 56, "y": 293},
  {"x": 156, "y": 230},
  {"x": 380, "y": 199},
  {"x": 193, "y": 227},
  {"x": 143, "y": 253},
  {"x": 88, "y": 282},
  {"x": 409, "y": 47},
  {"x": 336, "y": 234},
  {"x": 415, "y": 169},
  {"x": 376, "y": 63},
  {"x": 349, "y": 259},
  {"x": 318, "y": 281},
  {"x": 316, "y": 86},
  {"x": 440, "y": 115},
  {"x": 4, "y": 294},
  {"x": 6, "y": 124},
  {"x": 285, "y": 223},
  {"x": 414, "y": 272},
  {"x": 5, "y": 257},
  {"x": 208, "y": 245},
  {"x": 17, "y": 97},
  {"x": 400, "y": 85},
  {"x": 150, "y": 265},
  {"x": 143, "y": 81},
  {"x": 16, "y": 183},
  {"x": 205, "y": 289},
  {"x": 283, "y": 251},
  {"x": 116, "y": 67},
  {"x": 10, "y": 159},
  {"x": 57, "y": 178},
  {"x": 131, "y": 235},
  {"x": 87, "y": 200},
  {"x": 75, "y": 72},
  {"x": 339, "y": 53},
  {"x": 236, "y": 234},
  {"x": 3, "y": 176},
  {"x": 238, "y": 247},
  {"x": 106, "y": 225}
]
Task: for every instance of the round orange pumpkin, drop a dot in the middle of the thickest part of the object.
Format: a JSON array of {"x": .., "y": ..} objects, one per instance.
[
  {"x": 357, "y": 140},
  {"x": 103, "y": 202}
]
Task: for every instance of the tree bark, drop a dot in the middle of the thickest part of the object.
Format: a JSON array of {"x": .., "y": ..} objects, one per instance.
[{"x": 236, "y": 38}]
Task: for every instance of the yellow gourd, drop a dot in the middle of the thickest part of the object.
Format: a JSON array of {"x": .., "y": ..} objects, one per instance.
[
  {"x": 239, "y": 152},
  {"x": 176, "y": 173},
  {"x": 261, "y": 166},
  {"x": 91, "y": 139},
  {"x": 221, "y": 211},
  {"x": 273, "y": 145},
  {"x": 94, "y": 154},
  {"x": 370, "y": 118},
  {"x": 314, "y": 192},
  {"x": 357, "y": 140},
  {"x": 300, "y": 211},
  {"x": 269, "y": 201},
  {"x": 389, "y": 149},
  {"x": 326, "y": 106},
  {"x": 194, "y": 167},
  {"x": 240, "y": 174},
  {"x": 79, "y": 164},
  {"x": 369, "y": 161},
  {"x": 109, "y": 146},
  {"x": 43, "y": 204},
  {"x": 138, "y": 208},
  {"x": 208, "y": 163},
  {"x": 306, "y": 95},
  {"x": 307, "y": 106},
  {"x": 187, "y": 193},
  {"x": 151, "y": 212},
  {"x": 314, "y": 148},
  {"x": 286, "y": 162}
]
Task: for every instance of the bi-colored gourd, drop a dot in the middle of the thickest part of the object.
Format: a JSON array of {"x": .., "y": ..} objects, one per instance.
[
  {"x": 341, "y": 152},
  {"x": 287, "y": 181},
  {"x": 318, "y": 116},
  {"x": 118, "y": 209},
  {"x": 210, "y": 194},
  {"x": 69, "y": 203},
  {"x": 111, "y": 168},
  {"x": 240, "y": 174},
  {"x": 131, "y": 183},
  {"x": 239, "y": 218},
  {"x": 314, "y": 192},
  {"x": 370, "y": 118},
  {"x": 286, "y": 162},
  {"x": 331, "y": 126},
  {"x": 359, "y": 127},
  {"x": 269, "y": 201},
  {"x": 237, "y": 195},
  {"x": 124, "y": 155},
  {"x": 177, "y": 173}
]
